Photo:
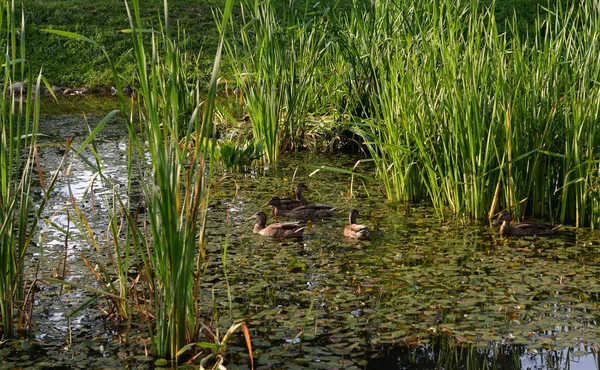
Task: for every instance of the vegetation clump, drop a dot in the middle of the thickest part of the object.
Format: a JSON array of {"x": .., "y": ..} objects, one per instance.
[{"x": 452, "y": 109}]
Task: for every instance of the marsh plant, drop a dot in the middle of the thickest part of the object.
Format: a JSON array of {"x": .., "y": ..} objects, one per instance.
[
  {"x": 277, "y": 61},
  {"x": 174, "y": 143},
  {"x": 20, "y": 207},
  {"x": 176, "y": 197},
  {"x": 474, "y": 120},
  {"x": 239, "y": 156},
  {"x": 452, "y": 111}
]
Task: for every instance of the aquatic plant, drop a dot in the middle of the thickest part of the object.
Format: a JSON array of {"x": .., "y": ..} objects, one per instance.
[
  {"x": 277, "y": 68},
  {"x": 20, "y": 206},
  {"x": 171, "y": 253},
  {"x": 237, "y": 157},
  {"x": 177, "y": 198},
  {"x": 452, "y": 111},
  {"x": 471, "y": 119}
]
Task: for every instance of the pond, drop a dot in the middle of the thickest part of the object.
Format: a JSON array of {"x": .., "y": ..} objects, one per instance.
[{"x": 422, "y": 293}]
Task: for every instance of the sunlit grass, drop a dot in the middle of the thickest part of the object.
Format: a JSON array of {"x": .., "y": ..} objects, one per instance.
[
  {"x": 277, "y": 62},
  {"x": 177, "y": 198},
  {"x": 452, "y": 111},
  {"x": 476, "y": 121},
  {"x": 171, "y": 153}
]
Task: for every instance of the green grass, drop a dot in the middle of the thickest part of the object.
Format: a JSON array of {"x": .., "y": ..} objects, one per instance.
[
  {"x": 68, "y": 62},
  {"x": 475, "y": 120},
  {"x": 463, "y": 106},
  {"x": 173, "y": 113},
  {"x": 19, "y": 215},
  {"x": 279, "y": 68}
]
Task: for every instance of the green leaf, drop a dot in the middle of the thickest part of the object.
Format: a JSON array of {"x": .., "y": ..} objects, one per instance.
[{"x": 71, "y": 35}]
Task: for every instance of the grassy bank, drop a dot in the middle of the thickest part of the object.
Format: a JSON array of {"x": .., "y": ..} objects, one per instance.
[{"x": 71, "y": 63}]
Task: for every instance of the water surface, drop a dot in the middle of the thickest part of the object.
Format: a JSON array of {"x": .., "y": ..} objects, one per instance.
[{"x": 423, "y": 293}]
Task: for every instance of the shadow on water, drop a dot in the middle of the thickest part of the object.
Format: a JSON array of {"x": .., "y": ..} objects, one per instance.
[
  {"x": 458, "y": 296},
  {"x": 502, "y": 357}
]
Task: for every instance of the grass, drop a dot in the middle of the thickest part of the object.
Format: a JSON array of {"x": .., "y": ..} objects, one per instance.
[
  {"x": 278, "y": 68},
  {"x": 177, "y": 134},
  {"x": 454, "y": 110},
  {"x": 474, "y": 120},
  {"x": 458, "y": 104},
  {"x": 19, "y": 215},
  {"x": 67, "y": 62}
]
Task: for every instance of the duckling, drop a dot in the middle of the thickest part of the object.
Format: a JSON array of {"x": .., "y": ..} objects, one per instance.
[
  {"x": 288, "y": 203},
  {"x": 277, "y": 230},
  {"x": 354, "y": 230},
  {"x": 523, "y": 228},
  {"x": 307, "y": 212}
]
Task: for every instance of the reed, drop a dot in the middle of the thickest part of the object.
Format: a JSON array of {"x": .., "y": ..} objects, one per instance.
[
  {"x": 177, "y": 198},
  {"x": 277, "y": 62},
  {"x": 473, "y": 120},
  {"x": 20, "y": 208},
  {"x": 175, "y": 142},
  {"x": 452, "y": 111}
]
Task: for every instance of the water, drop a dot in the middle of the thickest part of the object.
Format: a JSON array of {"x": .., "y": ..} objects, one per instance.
[{"x": 416, "y": 296}]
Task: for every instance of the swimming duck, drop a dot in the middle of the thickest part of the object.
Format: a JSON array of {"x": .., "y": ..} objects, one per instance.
[
  {"x": 307, "y": 212},
  {"x": 523, "y": 228},
  {"x": 278, "y": 230},
  {"x": 288, "y": 203},
  {"x": 354, "y": 230}
]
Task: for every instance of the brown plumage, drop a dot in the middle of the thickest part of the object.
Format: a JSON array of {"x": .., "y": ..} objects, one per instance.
[
  {"x": 307, "y": 212},
  {"x": 523, "y": 228},
  {"x": 354, "y": 230},
  {"x": 288, "y": 203},
  {"x": 277, "y": 230}
]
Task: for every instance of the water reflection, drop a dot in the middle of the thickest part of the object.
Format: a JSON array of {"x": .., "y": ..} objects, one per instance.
[{"x": 507, "y": 357}]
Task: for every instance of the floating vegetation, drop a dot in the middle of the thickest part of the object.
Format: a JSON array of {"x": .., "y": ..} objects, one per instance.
[
  {"x": 327, "y": 301},
  {"x": 417, "y": 283},
  {"x": 177, "y": 265}
]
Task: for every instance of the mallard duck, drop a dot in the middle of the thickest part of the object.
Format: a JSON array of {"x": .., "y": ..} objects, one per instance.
[
  {"x": 307, "y": 212},
  {"x": 523, "y": 228},
  {"x": 354, "y": 230},
  {"x": 288, "y": 203},
  {"x": 278, "y": 230}
]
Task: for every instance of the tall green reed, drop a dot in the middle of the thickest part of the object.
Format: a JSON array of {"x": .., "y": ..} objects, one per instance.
[
  {"x": 277, "y": 62},
  {"x": 172, "y": 212},
  {"x": 474, "y": 120},
  {"x": 178, "y": 195},
  {"x": 170, "y": 157},
  {"x": 20, "y": 210}
]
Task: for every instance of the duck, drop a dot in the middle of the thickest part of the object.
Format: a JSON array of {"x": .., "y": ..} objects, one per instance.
[
  {"x": 307, "y": 212},
  {"x": 523, "y": 228},
  {"x": 289, "y": 203},
  {"x": 354, "y": 230},
  {"x": 277, "y": 230}
]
